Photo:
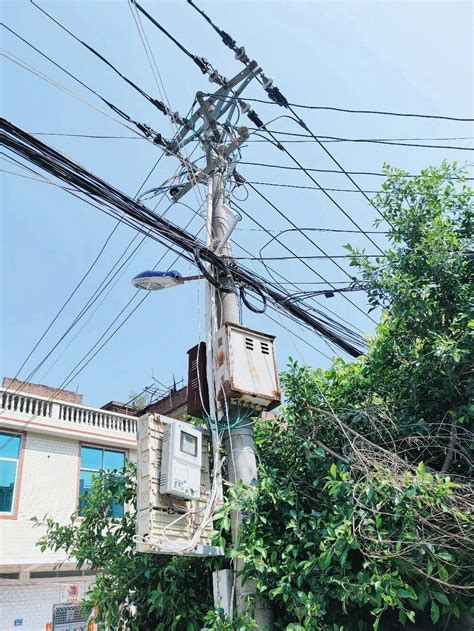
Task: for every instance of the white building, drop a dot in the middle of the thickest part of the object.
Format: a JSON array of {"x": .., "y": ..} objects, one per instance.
[{"x": 49, "y": 449}]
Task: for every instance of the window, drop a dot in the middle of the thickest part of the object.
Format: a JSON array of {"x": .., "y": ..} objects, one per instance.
[
  {"x": 93, "y": 461},
  {"x": 9, "y": 456}
]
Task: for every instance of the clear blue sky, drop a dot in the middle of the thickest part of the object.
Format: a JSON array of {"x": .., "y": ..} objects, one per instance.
[{"x": 399, "y": 56}]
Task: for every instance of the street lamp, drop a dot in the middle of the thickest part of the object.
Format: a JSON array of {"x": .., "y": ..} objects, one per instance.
[{"x": 152, "y": 280}]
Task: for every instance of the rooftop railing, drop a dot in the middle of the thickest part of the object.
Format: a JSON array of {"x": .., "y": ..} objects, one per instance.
[{"x": 31, "y": 407}]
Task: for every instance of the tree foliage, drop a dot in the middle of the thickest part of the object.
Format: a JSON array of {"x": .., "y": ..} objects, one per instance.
[
  {"x": 132, "y": 591},
  {"x": 362, "y": 515}
]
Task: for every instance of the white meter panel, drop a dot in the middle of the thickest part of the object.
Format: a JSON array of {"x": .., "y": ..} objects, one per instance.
[{"x": 180, "y": 473}]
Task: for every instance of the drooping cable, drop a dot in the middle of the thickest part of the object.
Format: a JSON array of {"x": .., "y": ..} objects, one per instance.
[{"x": 62, "y": 167}]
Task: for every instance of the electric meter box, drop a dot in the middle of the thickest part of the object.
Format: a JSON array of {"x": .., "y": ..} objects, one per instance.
[
  {"x": 246, "y": 367},
  {"x": 160, "y": 520},
  {"x": 180, "y": 473}
]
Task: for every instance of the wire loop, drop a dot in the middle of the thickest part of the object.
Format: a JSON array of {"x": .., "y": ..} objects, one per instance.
[
  {"x": 222, "y": 271},
  {"x": 243, "y": 296}
]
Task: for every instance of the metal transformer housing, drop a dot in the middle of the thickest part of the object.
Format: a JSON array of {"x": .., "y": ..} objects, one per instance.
[{"x": 246, "y": 367}]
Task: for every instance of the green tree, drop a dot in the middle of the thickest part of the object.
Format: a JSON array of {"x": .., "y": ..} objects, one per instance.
[
  {"x": 354, "y": 523},
  {"x": 133, "y": 591},
  {"x": 362, "y": 515}
]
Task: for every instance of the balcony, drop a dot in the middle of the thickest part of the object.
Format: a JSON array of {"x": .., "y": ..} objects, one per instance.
[{"x": 61, "y": 417}]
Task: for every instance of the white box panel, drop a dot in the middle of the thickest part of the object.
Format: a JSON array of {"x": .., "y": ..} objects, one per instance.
[
  {"x": 180, "y": 472},
  {"x": 246, "y": 367},
  {"x": 157, "y": 519}
]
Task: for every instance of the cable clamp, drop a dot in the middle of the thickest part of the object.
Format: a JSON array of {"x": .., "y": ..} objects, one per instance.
[
  {"x": 255, "y": 118},
  {"x": 276, "y": 96}
]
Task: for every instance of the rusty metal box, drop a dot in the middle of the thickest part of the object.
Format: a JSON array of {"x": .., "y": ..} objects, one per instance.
[{"x": 246, "y": 367}]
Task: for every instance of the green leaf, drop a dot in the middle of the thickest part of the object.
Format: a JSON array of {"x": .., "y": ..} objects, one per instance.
[
  {"x": 435, "y": 613},
  {"x": 441, "y": 598}
]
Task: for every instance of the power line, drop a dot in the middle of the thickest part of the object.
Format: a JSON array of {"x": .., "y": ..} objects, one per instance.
[
  {"x": 312, "y": 188},
  {"x": 206, "y": 68},
  {"x": 278, "y": 97},
  {"x": 294, "y": 254},
  {"x": 274, "y": 92},
  {"x": 158, "y": 104},
  {"x": 378, "y": 112},
  {"x": 62, "y": 167},
  {"x": 91, "y": 136},
  {"x": 380, "y": 141},
  {"x": 312, "y": 169}
]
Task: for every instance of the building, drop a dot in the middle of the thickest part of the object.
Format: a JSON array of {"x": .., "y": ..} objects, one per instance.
[{"x": 50, "y": 446}]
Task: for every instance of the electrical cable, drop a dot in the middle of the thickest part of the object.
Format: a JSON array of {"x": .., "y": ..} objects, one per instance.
[
  {"x": 322, "y": 140},
  {"x": 275, "y": 94},
  {"x": 59, "y": 165},
  {"x": 290, "y": 168},
  {"x": 22, "y": 64},
  {"x": 158, "y": 104},
  {"x": 292, "y": 252},
  {"x": 231, "y": 43},
  {"x": 245, "y": 60},
  {"x": 312, "y": 188},
  {"x": 378, "y": 112}
]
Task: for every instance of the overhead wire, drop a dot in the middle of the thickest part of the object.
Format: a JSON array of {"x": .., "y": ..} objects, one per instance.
[
  {"x": 158, "y": 104},
  {"x": 245, "y": 60},
  {"x": 34, "y": 150},
  {"x": 366, "y": 111},
  {"x": 281, "y": 100},
  {"x": 311, "y": 169},
  {"x": 16, "y": 60}
]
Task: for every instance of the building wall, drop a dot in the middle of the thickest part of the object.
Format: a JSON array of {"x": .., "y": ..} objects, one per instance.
[
  {"x": 33, "y": 603},
  {"x": 48, "y": 484}
]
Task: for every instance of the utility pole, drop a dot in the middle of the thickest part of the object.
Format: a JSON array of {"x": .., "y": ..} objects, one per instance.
[{"x": 239, "y": 441}]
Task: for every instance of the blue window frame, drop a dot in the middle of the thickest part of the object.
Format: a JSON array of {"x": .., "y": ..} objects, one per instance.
[
  {"x": 93, "y": 461},
  {"x": 9, "y": 457}
]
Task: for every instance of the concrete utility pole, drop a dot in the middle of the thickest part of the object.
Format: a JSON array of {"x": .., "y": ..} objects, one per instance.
[{"x": 239, "y": 442}]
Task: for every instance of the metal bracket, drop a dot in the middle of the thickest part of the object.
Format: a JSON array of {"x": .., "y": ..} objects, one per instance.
[
  {"x": 245, "y": 76},
  {"x": 228, "y": 150}
]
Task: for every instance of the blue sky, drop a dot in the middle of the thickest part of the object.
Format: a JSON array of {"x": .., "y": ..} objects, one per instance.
[{"x": 397, "y": 56}]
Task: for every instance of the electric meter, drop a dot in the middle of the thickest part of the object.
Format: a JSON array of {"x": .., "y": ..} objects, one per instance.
[{"x": 180, "y": 473}]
